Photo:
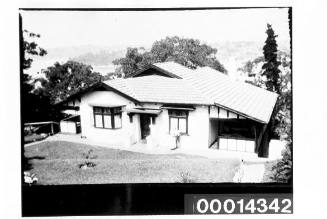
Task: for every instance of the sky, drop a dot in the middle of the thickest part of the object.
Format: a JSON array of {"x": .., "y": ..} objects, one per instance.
[{"x": 142, "y": 28}]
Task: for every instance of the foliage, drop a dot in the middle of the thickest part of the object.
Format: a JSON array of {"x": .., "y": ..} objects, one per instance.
[
  {"x": 273, "y": 72},
  {"x": 185, "y": 177},
  {"x": 35, "y": 106},
  {"x": 255, "y": 69},
  {"x": 31, "y": 49},
  {"x": 68, "y": 78},
  {"x": 270, "y": 67},
  {"x": 188, "y": 52},
  {"x": 282, "y": 171},
  {"x": 281, "y": 120},
  {"x": 30, "y": 178},
  {"x": 87, "y": 163},
  {"x": 250, "y": 65}
]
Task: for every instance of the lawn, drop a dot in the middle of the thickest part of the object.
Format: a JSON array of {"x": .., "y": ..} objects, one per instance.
[{"x": 57, "y": 162}]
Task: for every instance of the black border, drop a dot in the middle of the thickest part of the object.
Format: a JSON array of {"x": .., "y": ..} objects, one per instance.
[{"x": 129, "y": 199}]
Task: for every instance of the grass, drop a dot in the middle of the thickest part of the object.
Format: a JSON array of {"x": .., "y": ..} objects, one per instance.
[{"x": 56, "y": 162}]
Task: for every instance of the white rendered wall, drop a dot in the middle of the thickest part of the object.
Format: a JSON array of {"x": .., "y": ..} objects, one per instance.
[
  {"x": 123, "y": 136},
  {"x": 68, "y": 127},
  {"x": 198, "y": 130},
  {"x": 130, "y": 133}
]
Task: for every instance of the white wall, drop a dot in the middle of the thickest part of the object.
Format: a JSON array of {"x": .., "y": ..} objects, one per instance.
[
  {"x": 213, "y": 130},
  {"x": 198, "y": 130},
  {"x": 68, "y": 127},
  {"x": 130, "y": 133},
  {"x": 122, "y": 136}
]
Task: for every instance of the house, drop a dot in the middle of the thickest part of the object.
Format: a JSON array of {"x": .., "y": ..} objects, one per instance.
[{"x": 208, "y": 108}]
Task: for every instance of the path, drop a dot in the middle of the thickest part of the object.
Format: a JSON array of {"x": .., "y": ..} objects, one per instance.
[{"x": 250, "y": 172}]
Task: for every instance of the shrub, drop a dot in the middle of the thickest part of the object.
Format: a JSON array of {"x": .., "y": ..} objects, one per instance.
[
  {"x": 282, "y": 171},
  {"x": 185, "y": 177},
  {"x": 30, "y": 178},
  {"x": 87, "y": 163}
]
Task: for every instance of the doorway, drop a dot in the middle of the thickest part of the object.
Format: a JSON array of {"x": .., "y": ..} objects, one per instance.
[{"x": 145, "y": 121}]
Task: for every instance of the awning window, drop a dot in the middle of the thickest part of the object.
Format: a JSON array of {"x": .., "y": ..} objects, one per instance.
[
  {"x": 178, "y": 107},
  {"x": 144, "y": 111}
]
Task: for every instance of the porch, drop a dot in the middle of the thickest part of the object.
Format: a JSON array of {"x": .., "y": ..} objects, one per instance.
[{"x": 230, "y": 131}]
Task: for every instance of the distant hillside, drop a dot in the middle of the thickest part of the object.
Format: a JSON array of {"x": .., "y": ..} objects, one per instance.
[
  {"x": 87, "y": 54},
  {"x": 232, "y": 55},
  {"x": 101, "y": 58}
]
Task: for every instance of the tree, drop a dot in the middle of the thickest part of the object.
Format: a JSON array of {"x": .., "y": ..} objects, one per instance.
[
  {"x": 132, "y": 62},
  {"x": 30, "y": 102},
  {"x": 62, "y": 80},
  {"x": 270, "y": 67},
  {"x": 279, "y": 82},
  {"x": 31, "y": 49},
  {"x": 188, "y": 52}
]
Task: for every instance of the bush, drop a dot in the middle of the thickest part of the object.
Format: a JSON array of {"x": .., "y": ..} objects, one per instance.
[
  {"x": 30, "y": 178},
  {"x": 185, "y": 177},
  {"x": 282, "y": 171},
  {"x": 86, "y": 164}
]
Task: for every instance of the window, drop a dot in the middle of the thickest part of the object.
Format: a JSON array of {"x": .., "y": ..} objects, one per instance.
[
  {"x": 108, "y": 118},
  {"x": 178, "y": 120}
]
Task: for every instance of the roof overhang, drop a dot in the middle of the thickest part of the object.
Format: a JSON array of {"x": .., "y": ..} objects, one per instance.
[
  {"x": 178, "y": 107},
  {"x": 144, "y": 111},
  {"x": 240, "y": 113},
  {"x": 100, "y": 86},
  {"x": 72, "y": 117},
  {"x": 99, "y": 104}
]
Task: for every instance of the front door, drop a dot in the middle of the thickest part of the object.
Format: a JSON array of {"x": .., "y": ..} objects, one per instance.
[{"x": 145, "y": 125}]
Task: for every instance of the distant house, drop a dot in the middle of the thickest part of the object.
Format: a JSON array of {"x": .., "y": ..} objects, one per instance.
[{"x": 208, "y": 108}]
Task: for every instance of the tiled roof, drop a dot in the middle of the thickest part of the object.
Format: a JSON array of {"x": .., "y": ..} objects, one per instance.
[
  {"x": 201, "y": 86},
  {"x": 159, "y": 89}
]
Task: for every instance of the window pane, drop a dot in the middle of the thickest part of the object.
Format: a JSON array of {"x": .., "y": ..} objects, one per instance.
[
  {"x": 107, "y": 121},
  {"x": 97, "y": 109},
  {"x": 116, "y": 110},
  {"x": 117, "y": 120},
  {"x": 182, "y": 125},
  {"x": 173, "y": 125},
  {"x": 98, "y": 121},
  {"x": 179, "y": 113},
  {"x": 106, "y": 111}
]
